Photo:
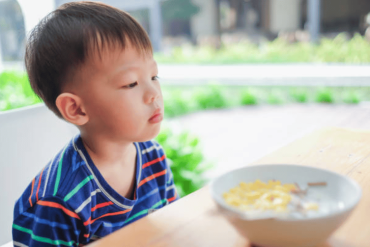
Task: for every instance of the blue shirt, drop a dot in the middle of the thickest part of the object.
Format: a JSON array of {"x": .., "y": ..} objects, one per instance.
[{"x": 69, "y": 203}]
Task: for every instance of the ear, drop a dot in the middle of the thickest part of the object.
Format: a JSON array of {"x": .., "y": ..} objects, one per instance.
[{"x": 72, "y": 109}]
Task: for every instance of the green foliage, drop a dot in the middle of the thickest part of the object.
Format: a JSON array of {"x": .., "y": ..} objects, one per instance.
[
  {"x": 175, "y": 103},
  {"x": 181, "y": 101},
  {"x": 356, "y": 50},
  {"x": 275, "y": 98},
  {"x": 211, "y": 97},
  {"x": 15, "y": 91},
  {"x": 299, "y": 95},
  {"x": 325, "y": 95},
  {"x": 248, "y": 98},
  {"x": 339, "y": 49},
  {"x": 186, "y": 160},
  {"x": 351, "y": 97}
]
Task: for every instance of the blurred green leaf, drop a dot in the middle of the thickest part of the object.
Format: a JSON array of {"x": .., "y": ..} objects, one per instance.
[
  {"x": 325, "y": 95},
  {"x": 299, "y": 95},
  {"x": 15, "y": 91},
  {"x": 186, "y": 158},
  {"x": 248, "y": 98},
  {"x": 211, "y": 97},
  {"x": 351, "y": 97},
  {"x": 275, "y": 99}
]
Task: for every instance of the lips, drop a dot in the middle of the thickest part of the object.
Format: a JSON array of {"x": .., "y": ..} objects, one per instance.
[{"x": 156, "y": 117}]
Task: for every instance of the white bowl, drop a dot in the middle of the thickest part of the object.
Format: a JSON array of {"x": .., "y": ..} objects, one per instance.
[{"x": 336, "y": 201}]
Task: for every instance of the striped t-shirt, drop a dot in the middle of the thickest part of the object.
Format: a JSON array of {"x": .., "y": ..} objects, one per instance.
[{"x": 70, "y": 204}]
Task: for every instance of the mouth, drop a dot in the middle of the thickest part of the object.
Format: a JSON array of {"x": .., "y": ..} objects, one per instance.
[{"x": 156, "y": 117}]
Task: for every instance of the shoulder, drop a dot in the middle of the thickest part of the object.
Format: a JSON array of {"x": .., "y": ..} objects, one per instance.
[
  {"x": 154, "y": 162},
  {"x": 150, "y": 147},
  {"x": 151, "y": 151},
  {"x": 64, "y": 178},
  {"x": 71, "y": 177}
]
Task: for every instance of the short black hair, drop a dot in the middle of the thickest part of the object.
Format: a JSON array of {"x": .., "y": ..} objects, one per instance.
[{"x": 63, "y": 40}]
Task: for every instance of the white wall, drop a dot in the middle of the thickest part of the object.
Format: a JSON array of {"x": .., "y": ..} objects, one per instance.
[
  {"x": 29, "y": 137},
  {"x": 284, "y": 15},
  {"x": 34, "y": 10}
]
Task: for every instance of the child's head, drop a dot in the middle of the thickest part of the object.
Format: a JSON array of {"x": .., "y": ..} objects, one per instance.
[{"x": 93, "y": 65}]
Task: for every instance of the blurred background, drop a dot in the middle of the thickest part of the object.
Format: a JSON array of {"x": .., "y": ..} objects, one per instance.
[
  {"x": 240, "y": 78},
  {"x": 215, "y": 23}
]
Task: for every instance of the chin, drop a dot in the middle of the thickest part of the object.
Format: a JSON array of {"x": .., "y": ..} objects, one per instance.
[{"x": 150, "y": 135}]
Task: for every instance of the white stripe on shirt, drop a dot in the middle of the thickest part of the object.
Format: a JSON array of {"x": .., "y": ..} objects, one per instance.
[
  {"x": 151, "y": 149},
  {"x": 87, "y": 201},
  {"x": 47, "y": 176},
  {"x": 19, "y": 244},
  {"x": 170, "y": 187}
]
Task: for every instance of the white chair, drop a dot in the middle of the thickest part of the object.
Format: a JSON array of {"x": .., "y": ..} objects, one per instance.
[
  {"x": 9, "y": 244},
  {"x": 29, "y": 137}
]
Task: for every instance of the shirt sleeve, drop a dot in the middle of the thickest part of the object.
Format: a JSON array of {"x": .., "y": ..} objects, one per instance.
[{"x": 49, "y": 222}]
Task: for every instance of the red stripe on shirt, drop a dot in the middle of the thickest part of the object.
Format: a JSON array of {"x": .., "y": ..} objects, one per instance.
[
  {"x": 33, "y": 184},
  {"x": 151, "y": 177},
  {"x": 38, "y": 186},
  {"x": 56, "y": 205},
  {"x": 154, "y": 161},
  {"x": 90, "y": 221},
  {"x": 172, "y": 198},
  {"x": 104, "y": 204}
]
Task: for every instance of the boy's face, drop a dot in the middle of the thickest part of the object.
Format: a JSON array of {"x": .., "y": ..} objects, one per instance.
[{"x": 122, "y": 95}]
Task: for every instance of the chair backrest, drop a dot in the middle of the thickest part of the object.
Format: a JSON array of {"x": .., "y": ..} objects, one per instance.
[
  {"x": 29, "y": 137},
  {"x": 8, "y": 244}
]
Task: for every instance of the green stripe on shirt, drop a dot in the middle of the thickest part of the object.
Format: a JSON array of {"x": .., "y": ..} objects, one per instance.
[
  {"x": 159, "y": 203},
  {"x": 59, "y": 173},
  {"x": 78, "y": 187},
  {"x": 145, "y": 211},
  {"x": 42, "y": 239}
]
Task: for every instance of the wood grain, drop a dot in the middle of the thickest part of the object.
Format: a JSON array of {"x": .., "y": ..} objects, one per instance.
[{"x": 195, "y": 221}]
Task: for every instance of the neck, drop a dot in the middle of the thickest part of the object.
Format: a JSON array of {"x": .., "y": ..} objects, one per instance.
[{"x": 105, "y": 152}]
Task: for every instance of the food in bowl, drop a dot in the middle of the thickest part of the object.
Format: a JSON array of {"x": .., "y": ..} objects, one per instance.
[{"x": 281, "y": 198}]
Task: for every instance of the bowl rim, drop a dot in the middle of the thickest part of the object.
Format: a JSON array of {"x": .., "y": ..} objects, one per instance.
[{"x": 236, "y": 211}]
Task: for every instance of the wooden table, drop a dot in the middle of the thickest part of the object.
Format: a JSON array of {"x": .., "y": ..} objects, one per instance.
[{"x": 195, "y": 221}]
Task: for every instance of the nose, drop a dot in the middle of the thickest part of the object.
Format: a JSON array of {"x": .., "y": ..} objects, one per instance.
[{"x": 153, "y": 92}]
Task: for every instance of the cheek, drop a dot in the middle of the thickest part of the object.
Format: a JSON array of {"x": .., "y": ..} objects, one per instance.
[
  {"x": 160, "y": 96},
  {"x": 102, "y": 106},
  {"x": 129, "y": 110},
  {"x": 93, "y": 108}
]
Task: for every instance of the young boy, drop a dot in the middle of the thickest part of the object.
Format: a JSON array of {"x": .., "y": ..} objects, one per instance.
[{"x": 93, "y": 66}]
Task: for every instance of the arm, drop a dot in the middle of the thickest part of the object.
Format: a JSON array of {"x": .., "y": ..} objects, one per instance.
[{"x": 49, "y": 222}]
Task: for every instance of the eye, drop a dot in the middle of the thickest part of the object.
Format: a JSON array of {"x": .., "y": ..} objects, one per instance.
[
  {"x": 131, "y": 85},
  {"x": 155, "y": 78}
]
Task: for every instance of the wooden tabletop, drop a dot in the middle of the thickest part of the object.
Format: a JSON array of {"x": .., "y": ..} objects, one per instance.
[{"x": 195, "y": 221}]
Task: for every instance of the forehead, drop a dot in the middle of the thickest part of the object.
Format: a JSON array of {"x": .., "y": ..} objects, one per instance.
[
  {"x": 114, "y": 55},
  {"x": 110, "y": 62}
]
